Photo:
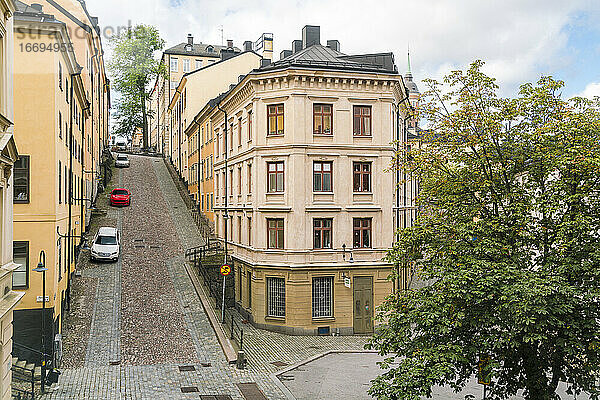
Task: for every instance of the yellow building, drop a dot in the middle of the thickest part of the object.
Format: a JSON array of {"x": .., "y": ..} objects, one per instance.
[
  {"x": 60, "y": 139},
  {"x": 8, "y": 155}
]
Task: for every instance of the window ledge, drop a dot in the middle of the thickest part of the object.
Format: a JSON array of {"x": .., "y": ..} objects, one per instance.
[
  {"x": 362, "y": 136},
  {"x": 323, "y": 319},
  {"x": 274, "y": 319},
  {"x": 323, "y": 134}
]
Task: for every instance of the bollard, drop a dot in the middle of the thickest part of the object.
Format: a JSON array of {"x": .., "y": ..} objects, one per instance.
[{"x": 241, "y": 360}]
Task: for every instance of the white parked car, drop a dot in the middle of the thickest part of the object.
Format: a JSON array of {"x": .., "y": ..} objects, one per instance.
[
  {"x": 122, "y": 161},
  {"x": 106, "y": 245}
]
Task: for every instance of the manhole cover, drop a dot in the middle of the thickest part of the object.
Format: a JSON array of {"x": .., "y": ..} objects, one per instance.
[
  {"x": 279, "y": 364},
  {"x": 205, "y": 364},
  {"x": 189, "y": 389},
  {"x": 185, "y": 368}
]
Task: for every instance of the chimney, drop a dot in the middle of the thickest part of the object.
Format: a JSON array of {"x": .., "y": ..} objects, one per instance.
[
  {"x": 241, "y": 78},
  {"x": 227, "y": 53},
  {"x": 232, "y": 85},
  {"x": 296, "y": 46},
  {"x": 311, "y": 35},
  {"x": 229, "y": 43},
  {"x": 247, "y": 45},
  {"x": 265, "y": 62},
  {"x": 334, "y": 45},
  {"x": 284, "y": 54},
  {"x": 190, "y": 39},
  {"x": 37, "y": 7}
]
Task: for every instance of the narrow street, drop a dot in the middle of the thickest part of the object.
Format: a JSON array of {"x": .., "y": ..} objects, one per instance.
[{"x": 133, "y": 323}]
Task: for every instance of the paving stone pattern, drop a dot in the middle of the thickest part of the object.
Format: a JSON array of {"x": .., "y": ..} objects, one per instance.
[{"x": 147, "y": 316}]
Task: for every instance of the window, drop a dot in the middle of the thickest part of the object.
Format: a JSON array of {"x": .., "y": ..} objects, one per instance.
[
  {"x": 240, "y": 181},
  {"x": 249, "y": 125},
  {"x": 322, "y": 297},
  {"x": 362, "y": 120},
  {"x": 60, "y": 125},
  {"x": 322, "y": 233},
  {"x": 66, "y": 89},
  {"x": 239, "y": 132},
  {"x": 275, "y": 233},
  {"x": 322, "y": 119},
  {"x": 322, "y": 176},
  {"x": 362, "y": 233},
  {"x": 249, "y": 178},
  {"x": 21, "y": 274},
  {"x": 174, "y": 65},
  {"x": 59, "y": 183},
  {"x": 198, "y": 64},
  {"x": 275, "y": 119},
  {"x": 186, "y": 65},
  {"x": 239, "y": 226},
  {"x": 231, "y": 137},
  {"x": 275, "y": 297},
  {"x": 173, "y": 85},
  {"x": 60, "y": 77},
  {"x": 275, "y": 177},
  {"x": 59, "y": 251},
  {"x": 361, "y": 176},
  {"x": 249, "y": 231},
  {"x": 202, "y": 202},
  {"x": 21, "y": 180}
]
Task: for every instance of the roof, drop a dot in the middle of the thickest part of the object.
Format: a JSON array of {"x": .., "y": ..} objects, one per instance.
[
  {"x": 410, "y": 84},
  {"x": 25, "y": 12},
  {"x": 198, "y": 49},
  {"x": 320, "y": 56},
  {"x": 106, "y": 230}
]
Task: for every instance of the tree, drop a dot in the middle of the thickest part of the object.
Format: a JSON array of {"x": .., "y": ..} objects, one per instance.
[
  {"x": 133, "y": 68},
  {"x": 506, "y": 243}
]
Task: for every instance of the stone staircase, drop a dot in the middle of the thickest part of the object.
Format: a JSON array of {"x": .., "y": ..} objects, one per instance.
[{"x": 26, "y": 378}]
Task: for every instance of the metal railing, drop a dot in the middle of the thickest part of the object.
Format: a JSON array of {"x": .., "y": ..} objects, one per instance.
[
  {"x": 20, "y": 394},
  {"x": 237, "y": 332}
]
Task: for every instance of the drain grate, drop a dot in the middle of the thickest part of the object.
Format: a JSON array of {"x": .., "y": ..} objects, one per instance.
[
  {"x": 205, "y": 364},
  {"x": 185, "y": 368},
  {"x": 189, "y": 389},
  {"x": 139, "y": 246},
  {"x": 155, "y": 247},
  {"x": 250, "y": 391},
  {"x": 215, "y": 397},
  {"x": 279, "y": 364},
  {"x": 114, "y": 362}
]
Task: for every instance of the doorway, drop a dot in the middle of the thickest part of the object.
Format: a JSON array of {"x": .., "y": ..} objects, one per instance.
[{"x": 363, "y": 305}]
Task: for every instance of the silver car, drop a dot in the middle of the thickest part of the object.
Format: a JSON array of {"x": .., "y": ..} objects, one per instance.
[
  {"x": 122, "y": 161},
  {"x": 106, "y": 245}
]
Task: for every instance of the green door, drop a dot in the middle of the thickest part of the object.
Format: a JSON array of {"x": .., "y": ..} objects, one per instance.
[{"x": 363, "y": 305}]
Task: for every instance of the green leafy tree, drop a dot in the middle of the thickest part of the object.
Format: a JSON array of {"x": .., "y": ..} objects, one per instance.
[
  {"x": 506, "y": 245},
  {"x": 133, "y": 67}
]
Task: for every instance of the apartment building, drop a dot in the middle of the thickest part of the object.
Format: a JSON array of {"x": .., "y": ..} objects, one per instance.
[
  {"x": 308, "y": 142},
  {"x": 61, "y": 124},
  {"x": 194, "y": 91},
  {"x": 8, "y": 155},
  {"x": 180, "y": 60}
]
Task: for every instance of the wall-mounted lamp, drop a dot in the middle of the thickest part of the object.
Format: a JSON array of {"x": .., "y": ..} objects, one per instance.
[{"x": 351, "y": 260}]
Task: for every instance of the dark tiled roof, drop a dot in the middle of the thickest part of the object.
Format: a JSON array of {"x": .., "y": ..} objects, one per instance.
[
  {"x": 410, "y": 84},
  {"x": 319, "y": 56},
  {"x": 198, "y": 49},
  {"x": 25, "y": 12}
]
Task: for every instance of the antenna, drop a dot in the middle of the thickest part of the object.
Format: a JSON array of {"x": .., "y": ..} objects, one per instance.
[
  {"x": 409, "y": 71},
  {"x": 221, "y": 29}
]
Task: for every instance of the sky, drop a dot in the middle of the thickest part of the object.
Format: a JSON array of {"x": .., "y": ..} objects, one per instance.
[{"x": 519, "y": 40}]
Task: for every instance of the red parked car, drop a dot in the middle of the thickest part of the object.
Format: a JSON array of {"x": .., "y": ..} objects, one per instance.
[{"x": 120, "y": 197}]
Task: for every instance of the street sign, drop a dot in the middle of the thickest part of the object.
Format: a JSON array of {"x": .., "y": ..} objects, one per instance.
[
  {"x": 225, "y": 270},
  {"x": 484, "y": 372},
  {"x": 40, "y": 299},
  {"x": 347, "y": 281}
]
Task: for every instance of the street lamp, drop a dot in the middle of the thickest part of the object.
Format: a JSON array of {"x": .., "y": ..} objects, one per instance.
[
  {"x": 351, "y": 260},
  {"x": 41, "y": 267}
]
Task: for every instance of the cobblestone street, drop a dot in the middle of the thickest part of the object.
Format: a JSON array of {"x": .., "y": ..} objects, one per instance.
[{"x": 134, "y": 322}]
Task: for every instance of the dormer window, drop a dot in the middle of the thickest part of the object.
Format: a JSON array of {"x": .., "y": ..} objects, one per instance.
[
  {"x": 188, "y": 47},
  {"x": 210, "y": 49}
]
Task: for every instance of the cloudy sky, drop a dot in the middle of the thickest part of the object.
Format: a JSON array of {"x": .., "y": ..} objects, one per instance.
[{"x": 518, "y": 39}]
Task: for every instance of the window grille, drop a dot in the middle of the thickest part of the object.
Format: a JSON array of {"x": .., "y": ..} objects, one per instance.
[
  {"x": 276, "y": 297},
  {"x": 322, "y": 299}
]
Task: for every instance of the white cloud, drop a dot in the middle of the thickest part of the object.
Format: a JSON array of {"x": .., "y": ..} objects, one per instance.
[
  {"x": 518, "y": 39},
  {"x": 591, "y": 90}
]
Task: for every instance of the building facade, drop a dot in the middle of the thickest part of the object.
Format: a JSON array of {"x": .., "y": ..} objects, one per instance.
[
  {"x": 56, "y": 173},
  {"x": 303, "y": 191},
  {"x": 8, "y": 155}
]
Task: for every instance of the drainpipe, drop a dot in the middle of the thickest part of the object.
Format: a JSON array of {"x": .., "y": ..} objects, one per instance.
[{"x": 226, "y": 215}]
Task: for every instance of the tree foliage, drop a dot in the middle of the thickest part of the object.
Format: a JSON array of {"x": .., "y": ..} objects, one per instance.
[
  {"x": 507, "y": 240},
  {"x": 133, "y": 67}
]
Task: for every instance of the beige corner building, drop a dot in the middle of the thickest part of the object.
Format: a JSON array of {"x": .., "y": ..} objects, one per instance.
[
  {"x": 303, "y": 190},
  {"x": 8, "y": 155}
]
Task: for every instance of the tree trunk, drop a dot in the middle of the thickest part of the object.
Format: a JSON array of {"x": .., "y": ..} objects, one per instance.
[
  {"x": 145, "y": 119},
  {"x": 536, "y": 384}
]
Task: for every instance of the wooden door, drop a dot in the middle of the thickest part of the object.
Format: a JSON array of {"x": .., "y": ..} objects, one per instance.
[{"x": 363, "y": 305}]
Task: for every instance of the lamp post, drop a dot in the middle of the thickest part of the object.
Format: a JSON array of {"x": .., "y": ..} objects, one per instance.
[{"x": 41, "y": 267}]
